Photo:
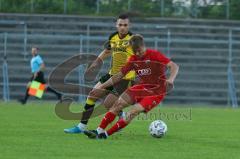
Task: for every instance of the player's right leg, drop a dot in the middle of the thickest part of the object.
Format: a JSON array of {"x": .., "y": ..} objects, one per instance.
[
  {"x": 26, "y": 96},
  {"x": 123, "y": 101},
  {"x": 109, "y": 102},
  {"x": 88, "y": 110},
  {"x": 122, "y": 123}
]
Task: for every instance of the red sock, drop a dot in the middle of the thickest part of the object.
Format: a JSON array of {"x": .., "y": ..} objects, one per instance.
[
  {"x": 119, "y": 125},
  {"x": 107, "y": 119}
]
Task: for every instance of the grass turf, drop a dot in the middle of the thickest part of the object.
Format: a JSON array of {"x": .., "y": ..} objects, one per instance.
[{"x": 34, "y": 131}]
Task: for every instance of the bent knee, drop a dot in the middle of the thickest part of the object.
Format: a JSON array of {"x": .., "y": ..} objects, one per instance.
[{"x": 118, "y": 106}]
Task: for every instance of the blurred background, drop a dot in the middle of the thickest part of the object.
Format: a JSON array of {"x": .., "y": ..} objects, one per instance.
[
  {"x": 217, "y": 9},
  {"x": 202, "y": 36}
]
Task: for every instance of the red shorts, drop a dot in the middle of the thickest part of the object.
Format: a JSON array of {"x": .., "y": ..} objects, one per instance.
[{"x": 148, "y": 95}]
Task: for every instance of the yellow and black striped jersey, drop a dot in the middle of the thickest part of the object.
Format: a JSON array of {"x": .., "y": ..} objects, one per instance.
[{"x": 121, "y": 51}]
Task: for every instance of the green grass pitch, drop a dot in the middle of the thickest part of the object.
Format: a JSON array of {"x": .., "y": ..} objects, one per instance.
[{"x": 34, "y": 131}]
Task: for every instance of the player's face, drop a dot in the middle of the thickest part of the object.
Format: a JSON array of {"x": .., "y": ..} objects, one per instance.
[
  {"x": 140, "y": 51},
  {"x": 122, "y": 26},
  {"x": 34, "y": 51}
]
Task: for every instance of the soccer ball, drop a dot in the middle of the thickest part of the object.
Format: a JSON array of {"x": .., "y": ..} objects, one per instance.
[{"x": 158, "y": 128}]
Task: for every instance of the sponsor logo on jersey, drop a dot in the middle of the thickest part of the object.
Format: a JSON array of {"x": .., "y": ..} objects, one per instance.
[{"x": 144, "y": 72}]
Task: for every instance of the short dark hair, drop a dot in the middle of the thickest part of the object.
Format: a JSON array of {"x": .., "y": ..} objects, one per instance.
[
  {"x": 35, "y": 47},
  {"x": 123, "y": 16},
  {"x": 136, "y": 42}
]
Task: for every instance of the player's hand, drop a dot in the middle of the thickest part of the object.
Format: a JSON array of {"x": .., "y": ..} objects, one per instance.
[
  {"x": 92, "y": 67},
  {"x": 35, "y": 75},
  {"x": 169, "y": 81},
  {"x": 97, "y": 91},
  {"x": 93, "y": 70},
  {"x": 101, "y": 86},
  {"x": 169, "y": 84}
]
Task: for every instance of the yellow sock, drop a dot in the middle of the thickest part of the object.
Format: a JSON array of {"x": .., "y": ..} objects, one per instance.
[{"x": 90, "y": 102}]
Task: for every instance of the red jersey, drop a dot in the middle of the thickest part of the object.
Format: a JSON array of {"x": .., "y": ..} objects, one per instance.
[{"x": 150, "y": 68}]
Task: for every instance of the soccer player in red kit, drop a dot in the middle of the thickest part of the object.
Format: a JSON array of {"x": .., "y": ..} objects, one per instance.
[{"x": 150, "y": 67}]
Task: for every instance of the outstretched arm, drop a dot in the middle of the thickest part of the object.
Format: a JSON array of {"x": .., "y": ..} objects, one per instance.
[
  {"x": 95, "y": 67},
  {"x": 173, "y": 71},
  {"x": 104, "y": 54},
  {"x": 101, "y": 57},
  {"x": 113, "y": 80},
  {"x": 117, "y": 77}
]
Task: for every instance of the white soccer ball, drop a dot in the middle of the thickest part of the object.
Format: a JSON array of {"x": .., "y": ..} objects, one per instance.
[{"x": 158, "y": 128}]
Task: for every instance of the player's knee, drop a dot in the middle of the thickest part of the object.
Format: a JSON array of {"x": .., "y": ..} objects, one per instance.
[
  {"x": 117, "y": 107},
  {"x": 96, "y": 94},
  {"x": 130, "y": 116},
  {"x": 133, "y": 113},
  {"x": 121, "y": 102},
  {"x": 91, "y": 93},
  {"x": 109, "y": 101}
]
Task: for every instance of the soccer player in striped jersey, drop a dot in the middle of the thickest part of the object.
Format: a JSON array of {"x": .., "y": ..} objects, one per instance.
[{"x": 117, "y": 47}]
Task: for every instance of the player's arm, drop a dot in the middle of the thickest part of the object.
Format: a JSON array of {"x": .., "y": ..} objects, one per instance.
[
  {"x": 42, "y": 67},
  {"x": 117, "y": 77},
  {"x": 170, "y": 64},
  {"x": 113, "y": 80},
  {"x": 173, "y": 71},
  {"x": 99, "y": 61},
  {"x": 104, "y": 54},
  {"x": 101, "y": 57},
  {"x": 94, "y": 68}
]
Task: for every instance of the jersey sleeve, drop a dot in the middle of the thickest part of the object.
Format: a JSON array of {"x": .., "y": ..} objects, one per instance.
[
  {"x": 162, "y": 58},
  {"x": 107, "y": 44},
  {"x": 39, "y": 60},
  {"x": 128, "y": 66}
]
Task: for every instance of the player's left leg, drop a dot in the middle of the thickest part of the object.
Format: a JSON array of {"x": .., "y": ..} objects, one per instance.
[
  {"x": 88, "y": 110},
  {"x": 137, "y": 108},
  {"x": 58, "y": 95},
  {"x": 109, "y": 102},
  {"x": 112, "y": 97},
  {"x": 26, "y": 96}
]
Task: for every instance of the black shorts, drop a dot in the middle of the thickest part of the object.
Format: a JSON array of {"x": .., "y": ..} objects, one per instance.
[
  {"x": 118, "y": 88},
  {"x": 39, "y": 78}
]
